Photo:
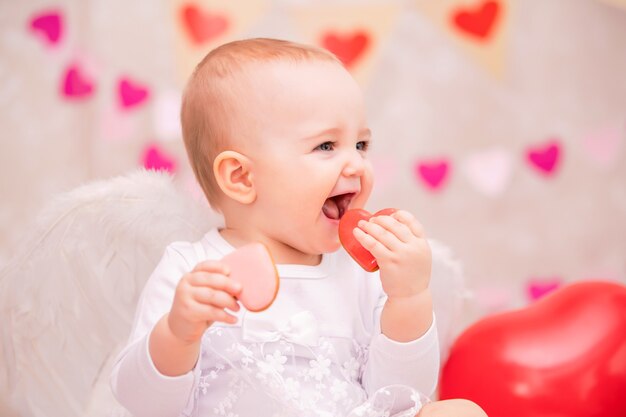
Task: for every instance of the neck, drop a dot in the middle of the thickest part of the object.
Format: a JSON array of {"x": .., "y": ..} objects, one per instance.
[{"x": 240, "y": 232}]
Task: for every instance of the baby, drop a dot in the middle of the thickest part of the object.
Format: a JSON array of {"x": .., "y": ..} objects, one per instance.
[{"x": 277, "y": 137}]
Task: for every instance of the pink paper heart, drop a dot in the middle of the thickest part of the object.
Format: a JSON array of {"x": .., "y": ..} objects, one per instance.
[
  {"x": 385, "y": 170},
  {"x": 489, "y": 171},
  {"x": 545, "y": 158},
  {"x": 49, "y": 25},
  {"x": 603, "y": 146},
  {"x": 156, "y": 159},
  {"x": 539, "y": 287},
  {"x": 75, "y": 84},
  {"x": 131, "y": 94},
  {"x": 432, "y": 173}
]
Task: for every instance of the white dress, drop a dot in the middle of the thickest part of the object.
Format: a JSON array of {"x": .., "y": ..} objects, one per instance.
[{"x": 317, "y": 351}]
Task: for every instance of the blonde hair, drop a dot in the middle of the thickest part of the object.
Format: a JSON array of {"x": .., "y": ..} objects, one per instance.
[{"x": 208, "y": 100}]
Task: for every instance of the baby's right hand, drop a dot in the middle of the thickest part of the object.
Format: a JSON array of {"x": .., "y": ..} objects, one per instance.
[{"x": 200, "y": 299}]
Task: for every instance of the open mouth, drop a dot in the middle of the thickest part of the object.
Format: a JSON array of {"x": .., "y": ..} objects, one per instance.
[{"x": 334, "y": 207}]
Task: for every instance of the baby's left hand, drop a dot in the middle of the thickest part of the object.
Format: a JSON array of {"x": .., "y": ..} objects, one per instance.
[{"x": 398, "y": 243}]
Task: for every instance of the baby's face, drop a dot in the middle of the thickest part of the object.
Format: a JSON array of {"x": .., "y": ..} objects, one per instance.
[{"x": 309, "y": 151}]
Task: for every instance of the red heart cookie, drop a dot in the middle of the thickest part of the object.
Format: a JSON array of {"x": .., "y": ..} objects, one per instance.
[
  {"x": 347, "y": 224},
  {"x": 252, "y": 266}
]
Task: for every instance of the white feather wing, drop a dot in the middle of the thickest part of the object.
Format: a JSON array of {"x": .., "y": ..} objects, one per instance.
[{"x": 68, "y": 297}]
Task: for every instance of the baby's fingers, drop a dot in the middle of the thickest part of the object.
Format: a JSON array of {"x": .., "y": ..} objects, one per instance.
[
  {"x": 410, "y": 221},
  {"x": 215, "y": 298},
  {"x": 383, "y": 235},
  {"x": 210, "y": 265},
  {"x": 215, "y": 282},
  {"x": 212, "y": 313},
  {"x": 370, "y": 243}
]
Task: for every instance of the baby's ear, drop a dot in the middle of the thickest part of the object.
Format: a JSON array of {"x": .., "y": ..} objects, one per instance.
[{"x": 232, "y": 173}]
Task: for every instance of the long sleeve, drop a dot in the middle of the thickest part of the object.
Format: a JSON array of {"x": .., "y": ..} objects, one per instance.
[
  {"x": 135, "y": 381},
  {"x": 414, "y": 363}
]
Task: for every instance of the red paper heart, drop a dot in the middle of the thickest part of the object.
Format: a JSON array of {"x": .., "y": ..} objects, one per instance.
[
  {"x": 156, "y": 159},
  {"x": 75, "y": 85},
  {"x": 545, "y": 157},
  {"x": 478, "y": 22},
  {"x": 348, "y": 47},
  {"x": 432, "y": 173},
  {"x": 347, "y": 224},
  {"x": 131, "y": 94},
  {"x": 49, "y": 24},
  {"x": 203, "y": 26},
  {"x": 563, "y": 356}
]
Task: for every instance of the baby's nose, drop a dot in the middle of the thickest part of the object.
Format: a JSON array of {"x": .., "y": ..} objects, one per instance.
[{"x": 355, "y": 165}]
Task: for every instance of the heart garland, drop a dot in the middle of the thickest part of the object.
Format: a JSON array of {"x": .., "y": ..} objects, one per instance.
[
  {"x": 432, "y": 173},
  {"x": 157, "y": 159},
  {"x": 478, "y": 22},
  {"x": 348, "y": 47},
  {"x": 203, "y": 26},
  {"x": 545, "y": 157},
  {"x": 48, "y": 25},
  {"x": 75, "y": 84},
  {"x": 131, "y": 94}
]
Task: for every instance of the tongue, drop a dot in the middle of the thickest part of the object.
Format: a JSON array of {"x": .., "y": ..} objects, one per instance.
[{"x": 330, "y": 209}]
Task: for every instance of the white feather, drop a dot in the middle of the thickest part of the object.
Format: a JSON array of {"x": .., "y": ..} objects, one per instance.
[
  {"x": 450, "y": 295},
  {"x": 68, "y": 297}
]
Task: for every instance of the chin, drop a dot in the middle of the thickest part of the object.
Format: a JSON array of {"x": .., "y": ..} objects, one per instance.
[{"x": 331, "y": 246}]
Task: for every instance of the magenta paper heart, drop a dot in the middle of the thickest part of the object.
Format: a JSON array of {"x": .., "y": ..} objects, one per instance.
[
  {"x": 156, "y": 159},
  {"x": 489, "y": 171},
  {"x": 131, "y": 94},
  {"x": 538, "y": 287},
  {"x": 433, "y": 173},
  {"x": 545, "y": 157},
  {"x": 75, "y": 84},
  {"x": 49, "y": 25}
]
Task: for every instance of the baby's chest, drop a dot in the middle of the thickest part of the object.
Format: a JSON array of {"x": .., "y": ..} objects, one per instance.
[{"x": 305, "y": 323}]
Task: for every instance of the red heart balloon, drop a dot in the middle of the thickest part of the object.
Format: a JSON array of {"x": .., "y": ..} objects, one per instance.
[
  {"x": 563, "y": 356},
  {"x": 347, "y": 224}
]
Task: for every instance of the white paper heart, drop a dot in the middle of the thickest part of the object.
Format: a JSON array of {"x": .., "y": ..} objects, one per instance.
[
  {"x": 166, "y": 116},
  {"x": 489, "y": 170}
]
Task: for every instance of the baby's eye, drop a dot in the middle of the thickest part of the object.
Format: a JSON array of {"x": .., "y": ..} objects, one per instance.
[
  {"x": 362, "y": 145},
  {"x": 326, "y": 146}
]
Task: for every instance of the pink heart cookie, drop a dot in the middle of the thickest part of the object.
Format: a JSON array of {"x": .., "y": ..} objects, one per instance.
[{"x": 252, "y": 266}]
